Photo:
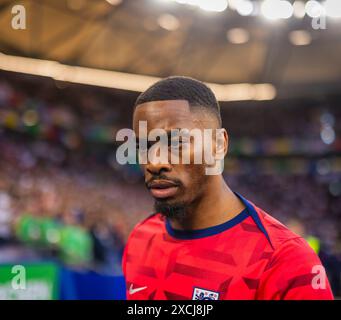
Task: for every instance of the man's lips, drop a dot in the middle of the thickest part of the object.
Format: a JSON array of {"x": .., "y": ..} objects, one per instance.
[{"x": 161, "y": 189}]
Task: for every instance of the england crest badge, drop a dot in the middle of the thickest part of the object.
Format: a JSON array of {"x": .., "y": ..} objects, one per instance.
[{"x": 204, "y": 294}]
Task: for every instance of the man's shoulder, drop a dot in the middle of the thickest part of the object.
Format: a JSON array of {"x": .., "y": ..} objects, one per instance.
[
  {"x": 278, "y": 232},
  {"x": 290, "y": 250}
]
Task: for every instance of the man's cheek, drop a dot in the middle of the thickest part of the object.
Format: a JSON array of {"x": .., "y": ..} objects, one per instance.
[{"x": 191, "y": 175}]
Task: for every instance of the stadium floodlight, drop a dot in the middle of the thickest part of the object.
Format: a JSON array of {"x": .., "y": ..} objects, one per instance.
[
  {"x": 277, "y": 9},
  {"x": 168, "y": 22},
  {"x": 333, "y": 8},
  {"x": 299, "y": 9},
  {"x": 238, "y": 36},
  {"x": 314, "y": 9},
  {"x": 210, "y": 5},
  {"x": 244, "y": 7},
  {"x": 300, "y": 37},
  {"x": 287, "y": 10},
  {"x": 114, "y": 2}
]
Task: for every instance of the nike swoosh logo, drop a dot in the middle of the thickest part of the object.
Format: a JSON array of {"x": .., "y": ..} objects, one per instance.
[{"x": 132, "y": 290}]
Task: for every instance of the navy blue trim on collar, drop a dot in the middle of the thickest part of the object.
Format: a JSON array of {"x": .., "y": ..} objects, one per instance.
[
  {"x": 201, "y": 233},
  {"x": 249, "y": 211},
  {"x": 253, "y": 213}
]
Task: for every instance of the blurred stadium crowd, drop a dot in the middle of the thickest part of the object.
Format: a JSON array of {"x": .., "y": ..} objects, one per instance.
[{"x": 63, "y": 196}]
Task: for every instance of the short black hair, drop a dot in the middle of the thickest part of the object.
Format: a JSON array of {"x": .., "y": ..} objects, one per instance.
[{"x": 194, "y": 91}]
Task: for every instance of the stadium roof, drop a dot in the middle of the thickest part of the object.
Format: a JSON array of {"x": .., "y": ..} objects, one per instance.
[{"x": 160, "y": 38}]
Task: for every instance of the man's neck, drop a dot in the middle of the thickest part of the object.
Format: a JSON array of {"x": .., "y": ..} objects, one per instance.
[{"x": 218, "y": 205}]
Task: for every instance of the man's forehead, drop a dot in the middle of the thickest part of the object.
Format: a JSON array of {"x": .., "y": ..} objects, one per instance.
[{"x": 168, "y": 113}]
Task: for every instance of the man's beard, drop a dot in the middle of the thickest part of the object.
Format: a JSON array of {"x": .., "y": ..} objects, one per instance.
[{"x": 172, "y": 211}]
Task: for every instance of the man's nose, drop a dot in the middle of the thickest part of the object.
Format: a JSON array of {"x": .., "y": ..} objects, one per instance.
[{"x": 158, "y": 168}]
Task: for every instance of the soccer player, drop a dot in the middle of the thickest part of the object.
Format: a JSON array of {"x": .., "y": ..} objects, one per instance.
[{"x": 204, "y": 241}]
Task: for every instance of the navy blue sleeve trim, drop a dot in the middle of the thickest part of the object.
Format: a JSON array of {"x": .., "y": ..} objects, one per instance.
[{"x": 253, "y": 213}]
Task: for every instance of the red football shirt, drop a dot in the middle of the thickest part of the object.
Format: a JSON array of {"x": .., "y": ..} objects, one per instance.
[{"x": 252, "y": 256}]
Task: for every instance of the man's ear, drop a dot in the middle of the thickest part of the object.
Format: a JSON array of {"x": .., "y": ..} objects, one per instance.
[
  {"x": 220, "y": 147},
  {"x": 222, "y": 142}
]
